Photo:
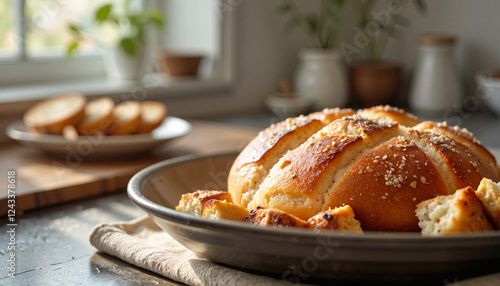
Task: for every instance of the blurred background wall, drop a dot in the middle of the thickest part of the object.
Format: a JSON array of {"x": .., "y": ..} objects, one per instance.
[{"x": 265, "y": 53}]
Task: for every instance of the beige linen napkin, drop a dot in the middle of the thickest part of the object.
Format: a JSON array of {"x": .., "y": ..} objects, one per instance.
[{"x": 142, "y": 243}]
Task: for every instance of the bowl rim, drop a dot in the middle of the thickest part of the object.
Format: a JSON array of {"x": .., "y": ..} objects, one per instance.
[
  {"x": 483, "y": 77},
  {"x": 156, "y": 210}
]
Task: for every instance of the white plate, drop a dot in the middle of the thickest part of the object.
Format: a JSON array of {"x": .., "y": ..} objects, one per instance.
[{"x": 100, "y": 147}]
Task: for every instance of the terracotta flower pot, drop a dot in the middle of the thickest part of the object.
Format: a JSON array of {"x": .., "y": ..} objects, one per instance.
[
  {"x": 173, "y": 64},
  {"x": 375, "y": 83}
]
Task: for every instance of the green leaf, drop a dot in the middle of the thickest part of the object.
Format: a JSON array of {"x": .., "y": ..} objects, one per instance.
[
  {"x": 155, "y": 17},
  {"x": 421, "y": 6},
  {"x": 128, "y": 45},
  {"x": 102, "y": 13},
  {"x": 282, "y": 9},
  {"x": 368, "y": 6},
  {"x": 141, "y": 36},
  {"x": 313, "y": 23},
  {"x": 338, "y": 3},
  {"x": 134, "y": 20},
  {"x": 74, "y": 29},
  {"x": 335, "y": 17},
  {"x": 72, "y": 49}
]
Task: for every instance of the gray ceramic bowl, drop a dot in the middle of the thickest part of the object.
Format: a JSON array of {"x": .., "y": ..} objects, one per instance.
[{"x": 299, "y": 255}]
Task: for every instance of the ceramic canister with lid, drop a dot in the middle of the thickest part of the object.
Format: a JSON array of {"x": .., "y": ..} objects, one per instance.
[{"x": 436, "y": 86}]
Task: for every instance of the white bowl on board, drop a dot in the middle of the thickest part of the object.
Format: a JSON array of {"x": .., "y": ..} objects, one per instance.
[
  {"x": 489, "y": 88},
  {"x": 283, "y": 107}
]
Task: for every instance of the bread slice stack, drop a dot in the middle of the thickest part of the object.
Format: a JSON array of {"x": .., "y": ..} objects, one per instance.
[{"x": 98, "y": 117}]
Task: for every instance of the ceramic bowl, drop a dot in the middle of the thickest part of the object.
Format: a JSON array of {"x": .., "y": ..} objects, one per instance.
[
  {"x": 489, "y": 88},
  {"x": 301, "y": 255},
  {"x": 176, "y": 64},
  {"x": 283, "y": 107}
]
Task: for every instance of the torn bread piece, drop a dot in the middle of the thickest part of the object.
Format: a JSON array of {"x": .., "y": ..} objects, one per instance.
[
  {"x": 217, "y": 209},
  {"x": 193, "y": 203},
  {"x": 340, "y": 218},
  {"x": 460, "y": 212},
  {"x": 263, "y": 217},
  {"x": 488, "y": 193}
]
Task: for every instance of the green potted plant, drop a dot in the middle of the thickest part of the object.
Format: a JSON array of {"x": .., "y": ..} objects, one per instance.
[
  {"x": 320, "y": 75},
  {"x": 127, "y": 44},
  {"x": 375, "y": 80}
]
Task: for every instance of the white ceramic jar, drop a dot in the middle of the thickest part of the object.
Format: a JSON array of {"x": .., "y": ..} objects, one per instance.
[
  {"x": 121, "y": 66},
  {"x": 436, "y": 86},
  {"x": 321, "y": 76}
]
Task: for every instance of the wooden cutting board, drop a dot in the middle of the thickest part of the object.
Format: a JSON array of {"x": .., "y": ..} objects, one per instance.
[{"x": 41, "y": 180}]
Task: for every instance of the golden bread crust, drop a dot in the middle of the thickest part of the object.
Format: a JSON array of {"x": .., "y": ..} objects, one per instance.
[
  {"x": 391, "y": 114},
  {"x": 385, "y": 185},
  {"x": 254, "y": 162},
  {"x": 298, "y": 183},
  {"x": 463, "y": 166},
  {"x": 274, "y": 217},
  {"x": 463, "y": 136},
  {"x": 340, "y": 219},
  {"x": 328, "y": 115},
  {"x": 222, "y": 209},
  {"x": 457, "y": 213},
  {"x": 294, "y": 183},
  {"x": 194, "y": 203}
]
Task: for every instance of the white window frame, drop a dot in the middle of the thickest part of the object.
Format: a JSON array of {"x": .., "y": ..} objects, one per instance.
[{"x": 77, "y": 75}]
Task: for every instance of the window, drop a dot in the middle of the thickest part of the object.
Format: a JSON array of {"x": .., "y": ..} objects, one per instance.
[
  {"x": 34, "y": 36},
  {"x": 33, "y": 40}
]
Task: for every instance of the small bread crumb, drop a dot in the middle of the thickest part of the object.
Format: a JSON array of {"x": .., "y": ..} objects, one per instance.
[{"x": 340, "y": 219}]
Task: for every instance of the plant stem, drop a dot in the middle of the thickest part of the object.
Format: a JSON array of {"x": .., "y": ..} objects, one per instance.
[
  {"x": 361, "y": 10},
  {"x": 385, "y": 34},
  {"x": 300, "y": 19},
  {"x": 323, "y": 27},
  {"x": 358, "y": 10}
]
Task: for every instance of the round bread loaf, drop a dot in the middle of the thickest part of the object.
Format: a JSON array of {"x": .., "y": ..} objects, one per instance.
[{"x": 381, "y": 161}]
